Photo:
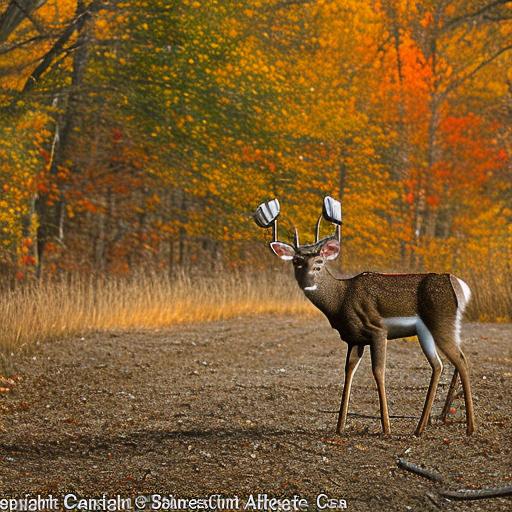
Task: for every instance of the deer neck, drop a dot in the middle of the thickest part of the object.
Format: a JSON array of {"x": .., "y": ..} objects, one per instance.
[{"x": 327, "y": 292}]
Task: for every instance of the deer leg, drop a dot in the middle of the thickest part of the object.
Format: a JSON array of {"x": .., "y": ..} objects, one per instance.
[
  {"x": 458, "y": 359},
  {"x": 378, "y": 355},
  {"x": 354, "y": 355},
  {"x": 429, "y": 349},
  {"x": 449, "y": 396}
]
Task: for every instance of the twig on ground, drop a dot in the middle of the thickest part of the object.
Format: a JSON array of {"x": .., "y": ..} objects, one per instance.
[
  {"x": 433, "y": 500},
  {"x": 425, "y": 473},
  {"x": 461, "y": 494},
  {"x": 369, "y": 416},
  {"x": 477, "y": 494}
]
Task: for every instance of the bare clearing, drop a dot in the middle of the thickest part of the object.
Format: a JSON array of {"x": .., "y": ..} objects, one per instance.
[{"x": 246, "y": 406}]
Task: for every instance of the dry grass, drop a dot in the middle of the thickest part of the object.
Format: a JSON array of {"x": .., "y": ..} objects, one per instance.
[
  {"x": 492, "y": 296},
  {"x": 46, "y": 311},
  {"x": 40, "y": 312}
]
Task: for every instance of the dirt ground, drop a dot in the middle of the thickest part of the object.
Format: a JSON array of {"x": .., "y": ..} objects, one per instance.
[{"x": 248, "y": 406}]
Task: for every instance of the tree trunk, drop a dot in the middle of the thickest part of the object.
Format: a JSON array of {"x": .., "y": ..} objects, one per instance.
[
  {"x": 51, "y": 216},
  {"x": 182, "y": 232}
]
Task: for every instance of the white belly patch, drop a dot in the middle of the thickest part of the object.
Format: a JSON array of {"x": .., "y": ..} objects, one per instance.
[{"x": 402, "y": 326}]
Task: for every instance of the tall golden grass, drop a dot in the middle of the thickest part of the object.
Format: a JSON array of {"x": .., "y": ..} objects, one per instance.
[
  {"x": 45, "y": 311},
  {"x": 50, "y": 310},
  {"x": 491, "y": 299}
]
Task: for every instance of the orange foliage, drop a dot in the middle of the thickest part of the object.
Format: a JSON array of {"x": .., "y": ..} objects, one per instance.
[{"x": 181, "y": 119}]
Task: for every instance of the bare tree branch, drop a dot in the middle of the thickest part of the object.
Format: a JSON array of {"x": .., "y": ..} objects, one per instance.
[
  {"x": 459, "y": 20},
  {"x": 497, "y": 19},
  {"x": 459, "y": 81},
  {"x": 288, "y": 3},
  {"x": 52, "y": 53},
  {"x": 59, "y": 45},
  {"x": 16, "y": 12},
  {"x": 20, "y": 44},
  {"x": 28, "y": 14}
]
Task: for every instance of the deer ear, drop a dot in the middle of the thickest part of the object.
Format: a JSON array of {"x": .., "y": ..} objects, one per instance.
[
  {"x": 284, "y": 251},
  {"x": 330, "y": 250}
]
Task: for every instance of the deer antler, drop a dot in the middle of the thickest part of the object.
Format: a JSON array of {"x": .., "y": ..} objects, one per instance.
[
  {"x": 331, "y": 211},
  {"x": 317, "y": 229},
  {"x": 295, "y": 237},
  {"x": 266, "y": 215}
]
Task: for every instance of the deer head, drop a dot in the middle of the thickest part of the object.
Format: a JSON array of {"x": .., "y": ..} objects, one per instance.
[{"x": 309, "y": 259}]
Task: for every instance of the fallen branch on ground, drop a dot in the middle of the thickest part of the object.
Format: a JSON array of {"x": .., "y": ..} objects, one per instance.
[
  {"x": 477, "y": 494},
  {"x": 369, "y": 416},
  {"x": 425, "y": 473},
  {"x": 461, "y": 494}
]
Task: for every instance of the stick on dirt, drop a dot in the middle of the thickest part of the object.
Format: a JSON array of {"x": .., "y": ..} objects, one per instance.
[
  {"x": 425, "y": 473},
  {"x": 478, "y": 494},
  {"x": 369, "y": 416}
]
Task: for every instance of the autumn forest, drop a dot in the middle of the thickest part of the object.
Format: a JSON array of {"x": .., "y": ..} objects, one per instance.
[{"x": 140, "y": 135}]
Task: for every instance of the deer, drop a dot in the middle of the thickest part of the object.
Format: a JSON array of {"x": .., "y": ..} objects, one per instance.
[{"x": 370, "y": 308}]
